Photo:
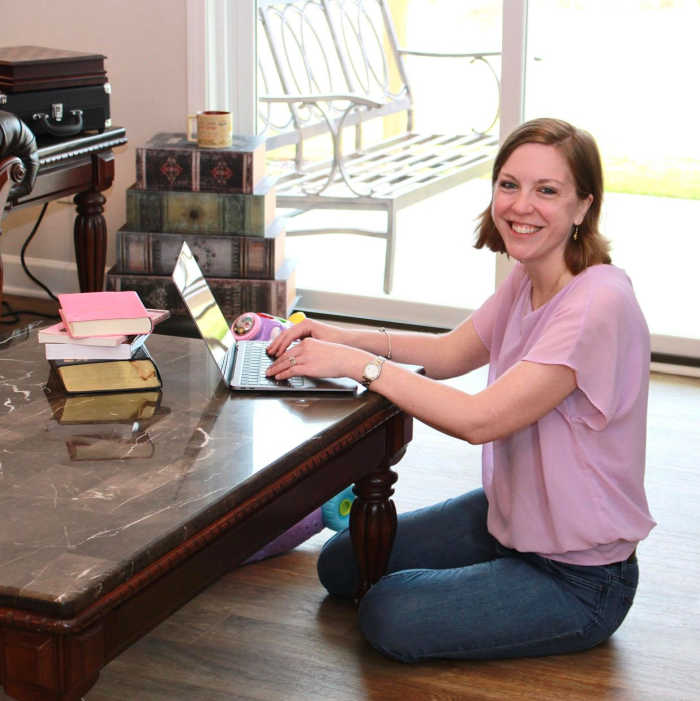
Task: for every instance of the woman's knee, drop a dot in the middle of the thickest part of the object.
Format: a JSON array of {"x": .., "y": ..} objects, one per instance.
[
  {"x": 386, "y": 621},
  {"x": 336, "y": 567}
]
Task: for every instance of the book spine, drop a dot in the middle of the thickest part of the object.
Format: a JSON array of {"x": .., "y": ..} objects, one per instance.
[
  {"x": 153, "y": 253},
  {"x": 234, "y": 295},
  {"x": 199, "y": 212},
  {"x": 196, "y": 170}
]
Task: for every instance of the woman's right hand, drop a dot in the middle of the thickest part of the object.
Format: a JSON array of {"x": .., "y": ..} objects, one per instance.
[{"x": 304, "y": 329}]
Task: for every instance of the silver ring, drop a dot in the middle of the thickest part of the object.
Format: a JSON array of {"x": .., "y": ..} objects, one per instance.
[{"x": 292, "y": 361}]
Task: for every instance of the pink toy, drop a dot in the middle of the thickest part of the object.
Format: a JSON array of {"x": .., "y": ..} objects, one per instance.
[
  {"x": 252, "y": 326},
  {"x": 334, "y": 514}
]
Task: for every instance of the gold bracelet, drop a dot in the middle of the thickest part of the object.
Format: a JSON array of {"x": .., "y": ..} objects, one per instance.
[{"x": 388, "y": 340}]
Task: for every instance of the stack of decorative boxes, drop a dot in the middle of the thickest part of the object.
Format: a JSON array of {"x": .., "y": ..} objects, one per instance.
[{"x": 218, "y": 201}]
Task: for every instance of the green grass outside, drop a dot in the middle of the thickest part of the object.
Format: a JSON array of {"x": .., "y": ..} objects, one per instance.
[{"x": 668, "y": 177}]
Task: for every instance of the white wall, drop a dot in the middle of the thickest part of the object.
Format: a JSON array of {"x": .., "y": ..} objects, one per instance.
[{"x": 145, "y": 42}]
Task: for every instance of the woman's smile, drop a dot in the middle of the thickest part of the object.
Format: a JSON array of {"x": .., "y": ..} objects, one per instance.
[{"x": 524, "y": 229}]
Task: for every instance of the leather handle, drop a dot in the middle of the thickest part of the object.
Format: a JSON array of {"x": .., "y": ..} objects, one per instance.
[{"x": 59, "y": 129}]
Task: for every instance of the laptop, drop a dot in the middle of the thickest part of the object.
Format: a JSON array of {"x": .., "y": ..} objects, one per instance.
[{"x": 242, "y": 364}]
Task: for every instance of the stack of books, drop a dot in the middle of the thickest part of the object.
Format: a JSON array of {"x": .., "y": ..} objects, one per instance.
[
  {"x": 221, "y": 203},
  {"x": 100, "y": 344}
]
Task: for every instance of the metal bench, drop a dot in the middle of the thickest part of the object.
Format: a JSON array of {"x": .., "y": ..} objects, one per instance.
[{"x": 326, "y": 66}]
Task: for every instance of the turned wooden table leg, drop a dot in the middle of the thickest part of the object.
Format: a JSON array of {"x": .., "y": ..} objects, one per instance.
[
  {"x": 90, "y": 230},
  {"x": 373, "y": 514},
  {"x": 373, "y": 527},
  {"x": 90, "y": 237}
]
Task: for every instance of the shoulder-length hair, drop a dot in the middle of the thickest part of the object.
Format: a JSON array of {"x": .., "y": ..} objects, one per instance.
[{"x": 581, "y": 154}]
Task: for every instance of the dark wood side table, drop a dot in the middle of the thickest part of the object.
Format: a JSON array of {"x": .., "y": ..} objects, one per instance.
[
  {"x": 83, "y": 166},
  {"x": 114, "y": 515}
]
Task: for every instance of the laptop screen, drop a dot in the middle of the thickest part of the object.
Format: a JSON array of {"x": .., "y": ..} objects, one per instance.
[{"x": 204, "y": 310}]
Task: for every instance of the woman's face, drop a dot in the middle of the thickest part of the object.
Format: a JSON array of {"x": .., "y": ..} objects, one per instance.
[{"x": 535, "y": 204}]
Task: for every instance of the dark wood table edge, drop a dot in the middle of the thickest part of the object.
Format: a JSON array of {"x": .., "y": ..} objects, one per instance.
[{"x": 52, "y": 658}]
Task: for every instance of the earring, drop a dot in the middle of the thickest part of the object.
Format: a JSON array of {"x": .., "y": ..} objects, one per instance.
[{"x": 575, "y": 237}]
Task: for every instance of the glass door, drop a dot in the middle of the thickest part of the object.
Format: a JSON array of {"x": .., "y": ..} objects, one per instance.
[
  {"x": 622, "y": 70},
  {"x": 439, "y": 276}
]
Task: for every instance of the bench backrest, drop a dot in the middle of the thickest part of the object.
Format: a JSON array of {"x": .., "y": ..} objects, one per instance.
[{"x": 314, "y": 47}]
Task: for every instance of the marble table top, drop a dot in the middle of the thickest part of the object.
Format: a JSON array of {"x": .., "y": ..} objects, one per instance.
[{"x": 93, "y": 490}]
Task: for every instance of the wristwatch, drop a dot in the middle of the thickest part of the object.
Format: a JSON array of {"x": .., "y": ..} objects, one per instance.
[{"x": 372, "y": 371}]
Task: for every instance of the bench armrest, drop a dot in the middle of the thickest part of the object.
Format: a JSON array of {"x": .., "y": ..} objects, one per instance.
[
  {"x": 448, "y": 54},
  {"x": 328, "y": 97}
]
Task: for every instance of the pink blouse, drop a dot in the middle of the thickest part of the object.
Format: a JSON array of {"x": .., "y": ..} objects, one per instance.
[{"x": 570, "y": 487}]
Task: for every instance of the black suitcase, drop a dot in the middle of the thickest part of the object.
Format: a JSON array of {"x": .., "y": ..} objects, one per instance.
[{"x": 61, "y": 112}]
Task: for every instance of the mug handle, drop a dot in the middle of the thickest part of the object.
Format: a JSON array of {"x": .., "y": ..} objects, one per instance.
[{"x": 190, "y": 132}]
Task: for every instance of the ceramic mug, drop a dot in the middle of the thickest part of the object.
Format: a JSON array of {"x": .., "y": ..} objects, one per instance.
[{"x": 214, "y": 129}]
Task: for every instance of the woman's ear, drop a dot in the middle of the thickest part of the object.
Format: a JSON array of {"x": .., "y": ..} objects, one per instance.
[{"x": 584, "y": 206}]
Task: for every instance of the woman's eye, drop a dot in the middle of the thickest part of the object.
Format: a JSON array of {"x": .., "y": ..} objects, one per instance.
[
  {"x": 506, "y": 185},
  {"x": 548, "y": 191}
]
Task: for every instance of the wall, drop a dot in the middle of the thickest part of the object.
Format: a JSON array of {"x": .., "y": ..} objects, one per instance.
[{"x": 145, "y": 42}]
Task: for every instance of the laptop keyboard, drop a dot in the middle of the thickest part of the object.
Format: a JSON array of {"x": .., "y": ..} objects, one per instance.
[{"x": 255, "y": 363}]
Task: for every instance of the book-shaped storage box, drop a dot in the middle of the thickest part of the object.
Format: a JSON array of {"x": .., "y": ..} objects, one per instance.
[
  {"x": 77, "y": 376},
  {"x": 104, "y": 313},
  {"x": 234, "y": 295},
  {"x": 233, "y": 255},
  {"x": 168, "y": 161},
  {"x": 202, "y": 212}
]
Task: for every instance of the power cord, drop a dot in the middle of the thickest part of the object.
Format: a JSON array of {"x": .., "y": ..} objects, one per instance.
[{"x": 14, "y": 314}]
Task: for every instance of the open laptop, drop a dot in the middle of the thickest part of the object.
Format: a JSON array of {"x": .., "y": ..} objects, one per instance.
[{"x": 242, "y": 363}]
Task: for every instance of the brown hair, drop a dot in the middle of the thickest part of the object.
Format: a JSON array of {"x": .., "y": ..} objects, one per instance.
[{"x": 581, "y": 154}]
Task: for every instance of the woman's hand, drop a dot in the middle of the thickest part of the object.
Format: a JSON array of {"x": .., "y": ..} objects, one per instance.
[
  {"x": 315, "y": 358},
  {"x": 306, "y": 328}
]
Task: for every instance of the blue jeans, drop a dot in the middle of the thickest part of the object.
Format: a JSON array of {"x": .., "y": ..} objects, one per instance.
[{"x": 452, "y": 591}]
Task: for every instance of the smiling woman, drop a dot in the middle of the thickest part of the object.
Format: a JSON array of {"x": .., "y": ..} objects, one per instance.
[{"x": 541, "y": 560}]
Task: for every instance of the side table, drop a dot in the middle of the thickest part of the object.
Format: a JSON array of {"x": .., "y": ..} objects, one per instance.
[{"x": 82, "y": 165}]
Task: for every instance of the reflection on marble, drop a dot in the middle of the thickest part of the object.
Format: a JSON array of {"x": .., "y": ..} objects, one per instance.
[{"x": 74, "y": 527}]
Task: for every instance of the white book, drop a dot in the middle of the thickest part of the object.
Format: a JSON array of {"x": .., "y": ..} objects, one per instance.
[
  {"x": 82, "y": 351},
  {"x": 57, "y": 333}
]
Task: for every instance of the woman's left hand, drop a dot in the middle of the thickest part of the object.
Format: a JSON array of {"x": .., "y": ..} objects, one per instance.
[{"x": 314, "y": 358}]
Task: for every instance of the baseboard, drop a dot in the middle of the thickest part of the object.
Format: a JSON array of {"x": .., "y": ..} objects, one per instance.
[
  {"x": 58, "y": 276},
  {"x": 380, "y": 310}
]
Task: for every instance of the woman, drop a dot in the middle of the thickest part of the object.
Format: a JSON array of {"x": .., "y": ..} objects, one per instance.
[{"x": 542, "y": 559}]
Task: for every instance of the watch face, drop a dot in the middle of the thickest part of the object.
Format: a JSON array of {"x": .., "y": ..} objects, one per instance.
[{"x": 371, "y": 371}]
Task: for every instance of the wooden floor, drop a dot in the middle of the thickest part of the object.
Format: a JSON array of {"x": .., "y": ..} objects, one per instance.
[{"x": 266, "y": 631}]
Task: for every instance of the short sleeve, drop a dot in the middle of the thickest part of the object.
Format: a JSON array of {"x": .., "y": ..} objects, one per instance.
[
  {"x": 599, "y": 332},
  {"x": 487, "y": 319}
]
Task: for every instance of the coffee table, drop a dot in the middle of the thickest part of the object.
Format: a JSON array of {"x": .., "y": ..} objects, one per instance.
[{"x": 107, "y": 528}]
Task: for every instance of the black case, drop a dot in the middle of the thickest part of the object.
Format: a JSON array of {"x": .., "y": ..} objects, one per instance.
[{"x": 61, "y": 112}]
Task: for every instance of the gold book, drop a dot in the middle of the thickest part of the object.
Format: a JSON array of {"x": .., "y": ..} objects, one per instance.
[{"x": 78, "y": 376}]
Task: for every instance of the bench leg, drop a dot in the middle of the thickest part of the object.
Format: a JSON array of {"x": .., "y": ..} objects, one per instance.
[{"x": 390, "y": 243}]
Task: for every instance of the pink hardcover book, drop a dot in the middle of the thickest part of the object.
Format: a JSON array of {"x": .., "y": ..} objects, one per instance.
[
  {"x": 104, "y": 313},
  {"x": 56, "y": 333}
]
